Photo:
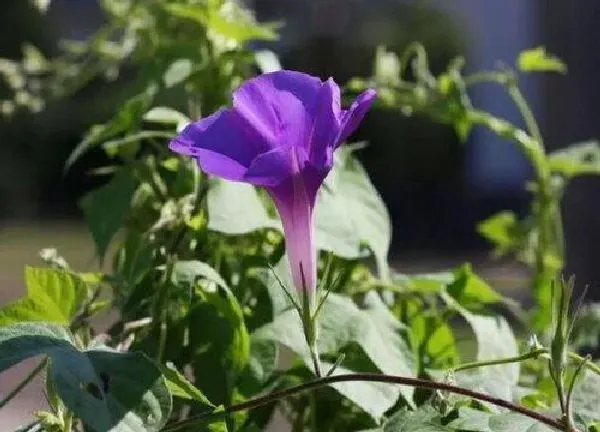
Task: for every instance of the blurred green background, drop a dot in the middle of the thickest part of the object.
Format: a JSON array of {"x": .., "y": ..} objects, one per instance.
[{"x": 436, "y": 189}]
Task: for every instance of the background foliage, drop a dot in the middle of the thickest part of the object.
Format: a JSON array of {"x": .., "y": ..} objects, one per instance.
[{"x": 202, "y": 322}]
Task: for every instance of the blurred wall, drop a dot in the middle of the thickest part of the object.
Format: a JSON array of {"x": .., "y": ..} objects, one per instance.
[{"x": 572, "y": 114}]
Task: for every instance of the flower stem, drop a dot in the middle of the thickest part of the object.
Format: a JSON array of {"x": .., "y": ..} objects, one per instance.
[
  {"x": 368, "y": 377},
  {"x": 14, "y": 392},
  {"x": 309, "y": 325}
]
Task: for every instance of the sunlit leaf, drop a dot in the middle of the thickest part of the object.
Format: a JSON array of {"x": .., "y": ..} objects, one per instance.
[
  {"x": 372, "y": 327},
  {"x": 53, "y": 295},
  {"x": 166, "y": 115},
  {"x": 267, "y": 61},
  {"x": 177, "y": 72},
  {"x": 179, "y": 386},
  {"x": 187, "y": 272},
  {"x": 231, "y": 21},
  {"x": 503, "y": 230},
  {"x": 495, "y": 340},
  {"x": 577, "y": 159},
  {"x": 227, "y": 201},
  {"x": 351, "y": 214},
  {"x": 538, "y": 60},
  {"x": 470, "y": 291}
]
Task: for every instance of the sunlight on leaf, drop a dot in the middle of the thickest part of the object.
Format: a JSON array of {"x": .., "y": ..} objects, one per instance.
[
  {"x": 53, "y": 295},
  {"x": 351, "y": 213},
  {"x": 576, "y": 159},
  {"x": 538, "y": 60}
]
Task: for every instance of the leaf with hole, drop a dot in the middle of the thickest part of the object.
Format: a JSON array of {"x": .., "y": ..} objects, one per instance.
[{"x": 107, "y": 390}]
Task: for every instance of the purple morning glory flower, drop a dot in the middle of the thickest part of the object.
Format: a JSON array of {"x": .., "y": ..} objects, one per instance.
[{"x": 280, "y": 134}]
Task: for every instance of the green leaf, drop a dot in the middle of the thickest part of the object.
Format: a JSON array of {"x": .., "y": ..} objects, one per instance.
[
  {"x": 504, "y": 231},
  {"x": 586, "y": 328},
  {"x": 262, "y": 363},
  {"x": 495, "y": 340},
  {"x": 387, "y": 67},
  {"x": 53, "y": 295},
  {"x": 222, "y": 353},
  {"x": 109, "y": 391},
  {"x": 25, "y": 309},
  {"x": 180, "y": 387},
  {"x": 577, "y": 159},
  {"x": 350, "y": 213},
  {"x": 342, "y": 322},
  {"x": 187, "y": 272},
  {"x": 129, "y": 144},
  {"x": 470, "y": 291},
  {"x": 586, "y": 397},
  {"x": 434, "y": 340},
  {"x": 178, "y": 71},
  {"x": 471, "y": 420},
  {"x": 425, "y": 282},
  {"x": 106, "y": 208},
  {"x": 267, "y": 61},
  {"x": 238, "y": 25},
  {"x": 169, "y": 116},
  {"x": 538, "y": 60},
  {"x": 126, "y": 119},
  {"x": 42, "y": 5},
  {"x": 424, "y": 419},
  {"x": 64, "y": 290},
  {"x": 263, "y": 359},
  {"x": 228, "y": 200}
]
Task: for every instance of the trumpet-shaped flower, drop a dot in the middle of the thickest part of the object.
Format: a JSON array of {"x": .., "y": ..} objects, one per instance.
[{"x": 279, "y": 134}]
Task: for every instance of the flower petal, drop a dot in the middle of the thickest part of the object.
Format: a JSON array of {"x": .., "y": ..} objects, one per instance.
[
  {"x": 274, "y": 167},
  {"x": 353, "y": 116},
  {"x": 218, "y": 144},
  {"x": 326, "y": 125},
  {"x": 278, "y": 107}
]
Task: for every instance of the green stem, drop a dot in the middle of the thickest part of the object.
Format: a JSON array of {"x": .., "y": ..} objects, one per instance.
[
  {"x": 508, "y": 360},
  {"x": 11, "y": 395},
  {"x": 590, "y": 365},
  {"x": 390, "y": 379},
  {"x": 525, "y": 110},
  {"x": 533, "y": 354},
  {"x": 160, "y": 309}
]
